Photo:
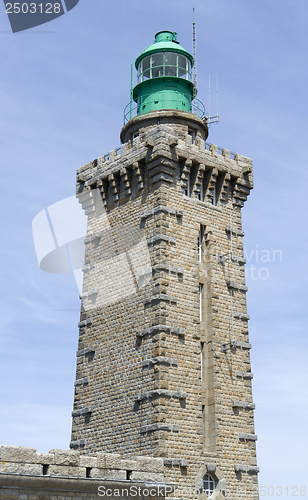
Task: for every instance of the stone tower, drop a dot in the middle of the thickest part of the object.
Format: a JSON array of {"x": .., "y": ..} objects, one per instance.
[{"x": 163, "y": 363}]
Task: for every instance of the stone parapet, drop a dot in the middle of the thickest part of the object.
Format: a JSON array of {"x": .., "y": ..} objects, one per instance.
[
  {"x": 26, "y": 487},
  {"x": 71, "y": 464}
]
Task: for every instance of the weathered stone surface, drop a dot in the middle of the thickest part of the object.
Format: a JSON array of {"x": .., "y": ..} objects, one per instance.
[
  {"x": 149, "y": 464},
  {"x": 87, "y": 461},
  {"x": 20, "y": 468},
  {"x": 160, "y": 392},
  {"x": 17, "y": 454},
  {"x": 66, "y": 471},
  {"x": 65, "y": 457},
  {"x": 147, "y": 476},
  {"x": 81, "y": 411},
  {"x": 79, "y": 443},
  {"x": 243, "y": 404},
  {"x": 45, "y": 458},
  {"x": 247, "y": 437},
  {"x": 130, "y": 465},
  {"x": 109, "y": 473},
  {"x": 109, "y": 460}
]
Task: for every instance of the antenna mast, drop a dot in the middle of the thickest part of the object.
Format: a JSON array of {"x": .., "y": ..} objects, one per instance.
[
  {"x": 194, "y": 52},
  {"x": 213, "y": 119}
]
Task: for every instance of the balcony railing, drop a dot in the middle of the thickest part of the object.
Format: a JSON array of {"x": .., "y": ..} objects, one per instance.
[{"x": 131, "y": 110}]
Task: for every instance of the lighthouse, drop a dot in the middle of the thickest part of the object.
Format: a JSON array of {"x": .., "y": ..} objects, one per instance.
[{"x": 163, "y": 361}]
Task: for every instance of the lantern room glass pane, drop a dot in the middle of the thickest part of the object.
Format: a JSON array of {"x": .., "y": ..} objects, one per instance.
[
  {"x": 170, "y": 64},
  {"x": 157, "y": 64},
  {"x": 184, "y": 66},
  {"x": 182, "y": 61},
  {"x": 145, "y": 68},
  {"x": 164, "y": 64}
]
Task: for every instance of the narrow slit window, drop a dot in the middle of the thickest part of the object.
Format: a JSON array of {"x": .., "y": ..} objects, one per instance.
[
  {"x": 192, "y": 134},
  {"x": 200, "y": 299},
  {"x": 214, "y": 199},
  {"x": 218, "y": 188},
  {"x": 45, "y": 470},
  {"x": 203, "y": 423},
  {"x": 187, "y": 189},
  {"x": 200, "y": 243},
  {"x": 201, "y": 195},
  {"x": 205, "y": 183}
]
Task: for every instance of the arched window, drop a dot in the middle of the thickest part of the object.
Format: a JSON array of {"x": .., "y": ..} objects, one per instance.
[{"x": 208, "y": 485}]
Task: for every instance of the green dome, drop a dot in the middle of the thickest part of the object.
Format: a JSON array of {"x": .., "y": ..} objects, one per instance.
[{"x": 165, "y": 41}]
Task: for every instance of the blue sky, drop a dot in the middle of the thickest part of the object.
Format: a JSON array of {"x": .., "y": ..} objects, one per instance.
[{"x": 63, "y": 89}]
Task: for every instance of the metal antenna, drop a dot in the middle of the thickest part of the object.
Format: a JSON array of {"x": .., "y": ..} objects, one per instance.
[
  {"x": 217, "y": 95},
  {"x": 213, "y": 119},
  {"x": 194, "y": 52},
  {"x": 209, "y": 95}
]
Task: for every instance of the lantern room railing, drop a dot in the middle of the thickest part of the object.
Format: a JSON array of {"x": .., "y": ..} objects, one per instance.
[{"x": 133, "y": 109}]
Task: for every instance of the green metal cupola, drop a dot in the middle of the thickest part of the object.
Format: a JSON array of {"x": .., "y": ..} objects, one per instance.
[{"x": 164, "y": 76}]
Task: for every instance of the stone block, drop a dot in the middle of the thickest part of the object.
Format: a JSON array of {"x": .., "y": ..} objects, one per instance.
[
  {"x": 81, "y": 411},
  {"x": 176, "y": 462},
  {"x": 45, "y": 458},
  {"x": 150, "y": 464},
  {"x": 248, "y": 437},
  {"x": 66, "y": 471},
  {"x": 81, "y": 381},
  {"x": 147, "y": 476},
  {"x": 108, "y": 473},
  {"x": 66, "y": 457},
  {"x": 100, "y": 460},
  {"x": 19, "y": 468},
  {"x": 109, "y": 461},
  {"x": 129, "y": 464},
  {"x": 211, "y": 467},
  {"x": 254, "y": 469},
  {"x": 86, "y": 461},
  {"x": 78, "y": 443},
  {"x": 18, "y": 454}
]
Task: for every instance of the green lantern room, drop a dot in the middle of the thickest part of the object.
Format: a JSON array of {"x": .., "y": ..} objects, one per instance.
[{"x": 164, "y": 78}]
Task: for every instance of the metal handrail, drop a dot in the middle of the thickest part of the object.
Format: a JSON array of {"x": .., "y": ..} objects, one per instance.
[
  {"x": 220, "y": 150},
  {"x": 197, "y": 107}
]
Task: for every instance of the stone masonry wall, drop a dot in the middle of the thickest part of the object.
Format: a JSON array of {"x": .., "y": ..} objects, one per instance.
[{"x": 163, "y": 364}]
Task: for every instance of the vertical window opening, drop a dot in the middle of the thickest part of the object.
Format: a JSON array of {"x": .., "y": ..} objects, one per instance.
[
  {"x": 192, "y": 133},
  {"x": 187, "y": 189},
  {"x": 203, "y": 424},
  {"x": 200, "y": 243},
  {"x": 200, "y": 300},
  {"x": 45, "y": 470},
  {"x": 218, "y": 188},
  {"x": 88, "y": 471},
  {"x": 214, "y": 199},
  {"x": 200, "y": 194},
  {"x": 128, "y": 475},
  {"x": 205, "y": 184}
]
